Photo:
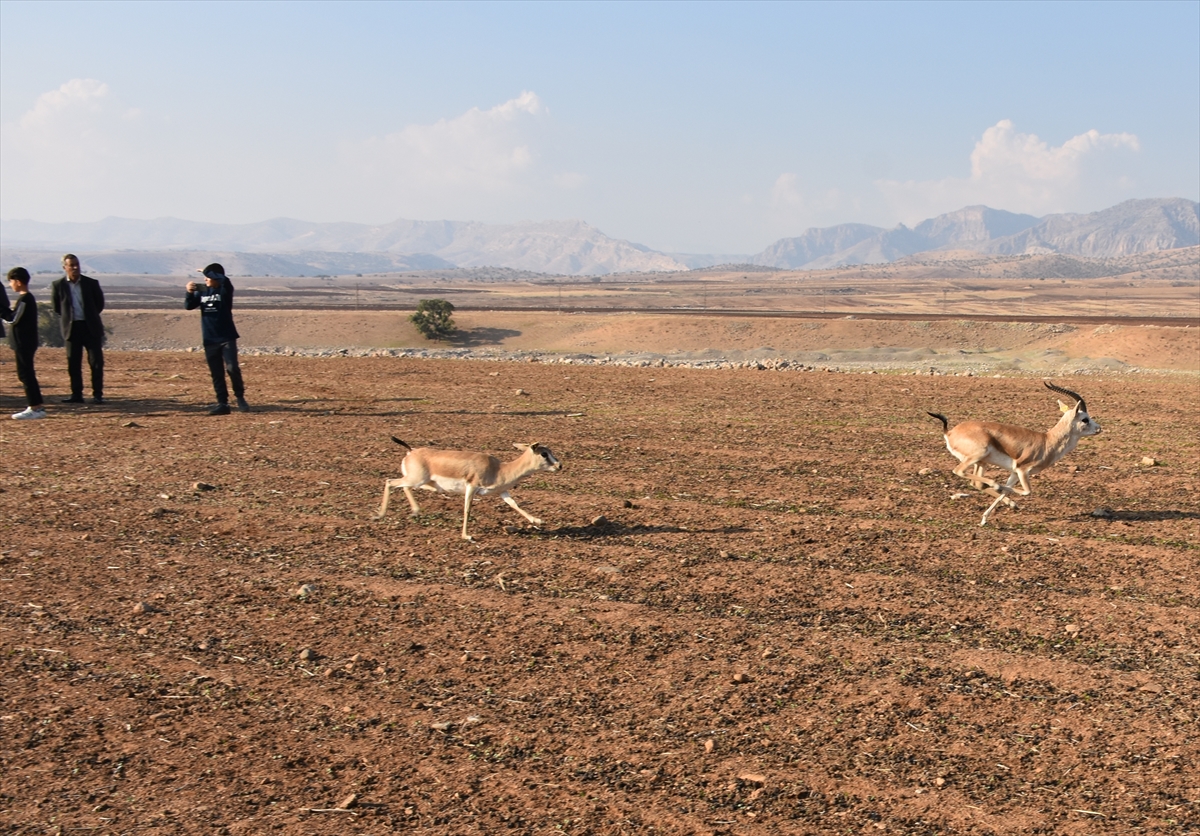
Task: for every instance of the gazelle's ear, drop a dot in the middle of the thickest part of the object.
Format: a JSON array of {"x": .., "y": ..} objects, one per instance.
[
  {"x": 521, "y": 447},
  {"x": 1063, "y": 407}
]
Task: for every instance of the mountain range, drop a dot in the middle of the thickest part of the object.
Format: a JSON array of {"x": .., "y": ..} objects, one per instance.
[{"x": 284, "y": 246}]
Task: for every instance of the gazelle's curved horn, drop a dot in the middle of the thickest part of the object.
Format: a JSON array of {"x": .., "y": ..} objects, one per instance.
[{"x": 1078, "y": 398}]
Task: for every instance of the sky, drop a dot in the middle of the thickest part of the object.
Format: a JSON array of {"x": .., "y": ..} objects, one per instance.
[{"x": 686, "y": 127}]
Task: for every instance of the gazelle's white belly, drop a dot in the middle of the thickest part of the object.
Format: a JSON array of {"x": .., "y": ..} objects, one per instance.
[{"x": 448, "y": 484}]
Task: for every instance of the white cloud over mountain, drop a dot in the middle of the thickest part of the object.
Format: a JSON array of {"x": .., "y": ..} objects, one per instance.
[
  {"x": 480, "y": 150},
  {"x": 76, "y": 138},
  {"x": 1023, "y": 173}
]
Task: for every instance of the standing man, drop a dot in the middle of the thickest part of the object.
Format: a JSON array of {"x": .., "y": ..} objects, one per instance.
[
  {"x": 215, "y": 301},
  {"x": 78, "y": 302}
]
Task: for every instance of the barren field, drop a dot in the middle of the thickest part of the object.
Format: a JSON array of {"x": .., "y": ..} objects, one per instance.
[
  {"x": 949, "y": 346},
  {"x": 759, "y": 604}
]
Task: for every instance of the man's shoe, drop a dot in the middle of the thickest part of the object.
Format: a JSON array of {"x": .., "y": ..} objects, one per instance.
[
  {"x": 242, "y": 405},
  {"x": 97, "y": 400},
  {"x": 29, "y": 413},
  {"x": 73, "y": 399},
  {"x": 219, "y": 409}
]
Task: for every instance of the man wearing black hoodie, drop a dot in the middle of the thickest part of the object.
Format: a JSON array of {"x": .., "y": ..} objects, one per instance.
[{"x": 215, "y": 300}]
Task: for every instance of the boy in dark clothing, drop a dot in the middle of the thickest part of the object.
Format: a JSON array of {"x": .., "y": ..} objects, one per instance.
[
  {"x": 215, "y": 301},
  {"x": 23, "y": 337}
]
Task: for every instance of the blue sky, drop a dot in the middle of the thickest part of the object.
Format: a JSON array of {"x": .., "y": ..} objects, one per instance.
[{"x": 687, "y": 127}]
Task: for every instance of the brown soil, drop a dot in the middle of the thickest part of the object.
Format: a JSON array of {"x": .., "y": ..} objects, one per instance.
[
  {"x": 755, "y": 607},
  {"x": 952, "y": 345}
]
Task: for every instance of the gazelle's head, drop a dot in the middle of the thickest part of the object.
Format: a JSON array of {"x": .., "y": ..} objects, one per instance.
[
  {"x": 1082, "y": 424},
  {"x": 541, "y": 453}
]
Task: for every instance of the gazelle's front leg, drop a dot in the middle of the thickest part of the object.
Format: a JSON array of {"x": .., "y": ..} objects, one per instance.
[
  {"x": 512, "y": 503},
  {"x": 1002, "y": 491},
  {"x": 470, "y": 492}
]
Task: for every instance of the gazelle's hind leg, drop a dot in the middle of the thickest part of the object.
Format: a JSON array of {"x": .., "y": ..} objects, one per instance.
[
  {"x": 512, "y": 503},
  {"x": 412, "y": 501},
  {"x": 402, "y": 482},
  {"x": 977, "y": 478}
]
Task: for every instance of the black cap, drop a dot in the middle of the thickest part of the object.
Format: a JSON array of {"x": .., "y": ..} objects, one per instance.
[{"x": 214, "y": 271}]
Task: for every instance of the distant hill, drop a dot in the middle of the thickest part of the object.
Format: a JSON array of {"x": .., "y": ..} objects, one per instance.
[
  {"x": 285, "y": 246},
  {"x": 1135, "y": 226},
  {"x": 560, "y": 247}
]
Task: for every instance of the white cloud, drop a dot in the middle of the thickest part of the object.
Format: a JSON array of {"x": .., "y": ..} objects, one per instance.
[
  {"x": 785, "y": 194},
  {"x": 78, "y": 96},
  {"x": 75, "y": 143},
  {"x": 1022, "y": 173},
  {"x": 486, "y": 150}
]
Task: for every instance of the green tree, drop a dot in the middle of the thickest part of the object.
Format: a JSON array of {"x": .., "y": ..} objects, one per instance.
[
  {"x": 49, "y": 329},
  {"x": 433, "y": 319}
]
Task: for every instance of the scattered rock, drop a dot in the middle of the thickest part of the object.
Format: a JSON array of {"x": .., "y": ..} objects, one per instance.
[
  {"x": 1103, "y": 513},
  {"x": 925, "y": 471},
  {"x": 753, "y": 778},
  {"x": 203, "y": 486},
  {"x": 348, "y": 802},
  {"x": 1071, "y": 630},
  {"x": 131, "y": 424},
  {"x": 627, "y": 504},
  {"x": 599, "y": 522},
  {"x": 520, "y": 392},
  {"x": 307, "y": 655},
  {"x": 305, "y": 591},
  {"x": 141, "y": 608},
  {"x": 442, "y": 727},
  {"x": 741, "y": 678},
  {"x": 1149, "y": 461},
  {"x": 767, "y": 653},
  {"x": 709, "y": 745}
]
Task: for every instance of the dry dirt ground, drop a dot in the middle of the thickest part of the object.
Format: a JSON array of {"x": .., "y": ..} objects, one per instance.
[
  {"x": 954, "y": 345},
  {"x": 757, "y": 605}
]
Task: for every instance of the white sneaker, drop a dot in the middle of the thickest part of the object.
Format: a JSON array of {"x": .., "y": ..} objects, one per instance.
[{"x": 29, "y": 413}]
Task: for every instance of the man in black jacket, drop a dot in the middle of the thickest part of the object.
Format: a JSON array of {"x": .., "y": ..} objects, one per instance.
[
  {"x": 215, "y": 301},
  {"x": 78, "y": 302}
]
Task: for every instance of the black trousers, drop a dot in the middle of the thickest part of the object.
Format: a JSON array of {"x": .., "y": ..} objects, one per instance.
[
  {"x": 81, "y": 339},
  {"x": 222, "y": 359},
  {"x": 25, "y": 374}
]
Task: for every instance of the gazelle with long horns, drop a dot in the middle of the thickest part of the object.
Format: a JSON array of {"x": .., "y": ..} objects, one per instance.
[{"x": 1024, "y": 453}]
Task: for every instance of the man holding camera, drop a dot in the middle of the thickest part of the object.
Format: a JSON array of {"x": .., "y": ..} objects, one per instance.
[{"x": 215, "y": 300}]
